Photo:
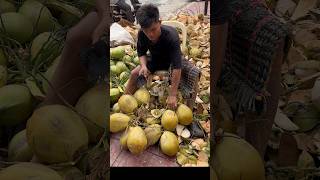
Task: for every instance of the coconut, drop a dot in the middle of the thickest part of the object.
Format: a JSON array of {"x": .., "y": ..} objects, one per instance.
[
  {"x": 70, "y": 173},
  {"x": 117, "y": 52},
  {"x": 33, "y": 9},
  {"x": 114, "y": 95},
  {"x": 3, "y": 58},
  {"x": 142, "y": 95},
  {"x": 126, "y": 59},
  {"x": 17, "y": 26},
  {"x": 93, "y": 105},
  {"x": 127, "y": 103},
  {"x": 3, "y": 76},
  {"x": 152, "y": 120},
  {"x": 114, "y": 70},
  {"x": 231, "y": 154},
  {"x": 15, "y": 104},
  {"x": 49, "y": 74},
  {"x": 18, "y": 149},
  {"x": 169, "y": 120},
  {"x": 195, "y": 52},
  {"x": 153, "y": 133},
  {"x": 56, "y": 134},
  {"x": 136, "y": 60},
  {"x": 116, "y": 108},
  {"x": 27, "y": 170},
  {"x": 6, "y": 6},
  {"x": 137, "y": 140},
  {"x": 123, "y": 140},
  {"x": 112, "y": 63},
  {"x": 184, "y": 114},
  {"x": 169, "y": 143},
  {"x": 39, "y": 42},
  {"x": 118, "y": 122},
  {"x": 121, "y": 66},
  {"x": 124, "y": 76}
]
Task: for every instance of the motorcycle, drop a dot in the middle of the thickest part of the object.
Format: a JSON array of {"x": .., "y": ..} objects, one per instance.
[{"x": 121, "y": 10}]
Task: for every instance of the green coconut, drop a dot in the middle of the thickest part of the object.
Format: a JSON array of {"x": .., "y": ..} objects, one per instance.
[
  {"x": 169, "y": 143},
  {"x": 27, "y": 171},
  {"x": 112, "y": 63},
  {"x": 49, "y": 74},
  {"x": 17, "y": 26},
  {"x": 118, "y": 122},
  {"x": 169, "y": 120},
  {"x": 137, "y": 140},
  {"x": 3, "y": 58},
  {"x": 116, "y": 108},
  {"x": 184, "y": 114},
  {"x": 127, "y": 103},
  {"x": 56, "y": 134},
  {"x": 70, "y": 173},
  {"x": 136, "y": 60},
  {"x": 114, "y": 70},
  {"x": 15, "y": 104},
  {"x": 18, "y": 149},
  {"x": 123, "y": 139},
  {"x": 126, "y": 59},
  {"x": 114, "y": 95},
  {"x": 38, "y": 42},
  {"x": 153, "y": 133},
  {"x": 93, "y": 105},
  {"x": 234, "y": 158},
  {"x": 6, "y": 6},
  {"x": 33, "y": 9},
  {"x": 117, "y": 53},
  {"x": 142, "y": 95},
  {"x": 3, "y": 76},
  {"x": 124, "y": 76},
  {"x": 121, "y": 66},
  {"x": 307, "y": 118}
]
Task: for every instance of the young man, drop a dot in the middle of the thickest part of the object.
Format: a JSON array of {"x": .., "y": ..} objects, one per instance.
[
  {"x": 164, "y": 45},
  {"x": 248, "y": 52},
  {"x": 70, "y": 79}
]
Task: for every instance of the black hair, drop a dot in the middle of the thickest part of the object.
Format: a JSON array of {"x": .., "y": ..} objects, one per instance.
[{"x": 147, "y": 14}]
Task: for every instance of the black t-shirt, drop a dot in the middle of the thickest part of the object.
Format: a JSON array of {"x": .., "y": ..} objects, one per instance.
[{"x": 165, "y": 52}]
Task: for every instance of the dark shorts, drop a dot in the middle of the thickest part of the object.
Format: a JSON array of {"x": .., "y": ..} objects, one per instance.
[{"x": 254, "y": 35}]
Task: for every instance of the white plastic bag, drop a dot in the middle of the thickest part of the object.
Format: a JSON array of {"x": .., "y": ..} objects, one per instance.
[{"x": 119, "y": 36}]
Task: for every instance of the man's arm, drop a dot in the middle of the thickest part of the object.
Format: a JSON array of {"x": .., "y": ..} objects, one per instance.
[
  {"x": 175, "y": 81},
  {"x": 101, "y": 6}
]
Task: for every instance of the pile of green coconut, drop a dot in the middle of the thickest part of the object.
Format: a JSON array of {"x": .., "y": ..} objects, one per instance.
[
  {"x": 51, "y": 142},
  {"x": 143, "y": 118}
]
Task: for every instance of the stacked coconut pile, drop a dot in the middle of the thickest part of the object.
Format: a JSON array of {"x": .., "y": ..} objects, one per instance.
[
  {"x": 55, "y": 141},
  {"x": 156, "y": 123},
  {"x": 144, "y": 120}
]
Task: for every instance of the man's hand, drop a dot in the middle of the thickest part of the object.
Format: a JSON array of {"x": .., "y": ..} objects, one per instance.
[
  {"x": 144, "y": 71},
  {"x": 172, "y": 102}
]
